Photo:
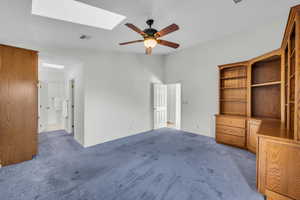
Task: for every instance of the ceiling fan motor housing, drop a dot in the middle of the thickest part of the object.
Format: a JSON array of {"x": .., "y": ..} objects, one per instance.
[{"x": 150, "y": 31}]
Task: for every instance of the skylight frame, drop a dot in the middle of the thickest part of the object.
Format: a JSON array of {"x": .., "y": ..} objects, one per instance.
[{"x": 76, "y": 12}]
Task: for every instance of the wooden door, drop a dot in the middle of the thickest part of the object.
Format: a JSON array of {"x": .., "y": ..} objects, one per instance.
[
  {"x": 18, "y": 105},
  {"x": 253, "y": 126}
]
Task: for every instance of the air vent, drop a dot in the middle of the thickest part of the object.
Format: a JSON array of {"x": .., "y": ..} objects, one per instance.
[
  {"x": 85, "y": 37},
  {"x": 237, "y": 1}
]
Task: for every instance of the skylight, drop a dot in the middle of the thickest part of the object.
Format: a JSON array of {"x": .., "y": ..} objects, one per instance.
[
  {"x": 53, "y": 66},
  {"x": 76, "y": 12}
]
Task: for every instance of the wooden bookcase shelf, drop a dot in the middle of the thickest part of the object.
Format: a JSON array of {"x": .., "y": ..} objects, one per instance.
[
  {"x": 233, "y": 90},
  {"x": 266, "y": 87},
  {"x": 237, "y": 77},
  {"x": 267, "y": 84},
  {"x": 266, "y": 70},
  {"x": 234, "y": 114},
  {"x": 234, "y": 100}
]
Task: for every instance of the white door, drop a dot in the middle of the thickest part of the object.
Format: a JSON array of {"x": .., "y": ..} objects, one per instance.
[
  {"x": 160, "y": 106},
  {"x": 43, "y": 106},
  {"x": 178, "y": 107}
]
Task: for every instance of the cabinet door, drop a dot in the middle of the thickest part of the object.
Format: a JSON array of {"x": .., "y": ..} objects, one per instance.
[
  {"x": 253, "y": 126},
  {"x": 278, "y": 168},
  {"x": 18, "y": 105}
]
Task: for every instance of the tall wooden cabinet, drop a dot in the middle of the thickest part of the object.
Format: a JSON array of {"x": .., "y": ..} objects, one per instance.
[
  {"x": 231, "y": 122},
  {"x": 18, "y": 104},
  {"x": 266, "y": 101}
]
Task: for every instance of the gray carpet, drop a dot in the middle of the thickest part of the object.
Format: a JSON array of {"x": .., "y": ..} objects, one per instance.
[{"x": 158, "y": 165}]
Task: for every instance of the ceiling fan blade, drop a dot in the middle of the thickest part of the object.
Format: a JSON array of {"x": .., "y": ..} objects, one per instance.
[
  {"x": 149, "y": 51},
  {"x": 136, "y": 29},
  {"x": 167, "y": 30},
  {"x": 131, "y": 42},
  {"x": 168, "y": 44}
]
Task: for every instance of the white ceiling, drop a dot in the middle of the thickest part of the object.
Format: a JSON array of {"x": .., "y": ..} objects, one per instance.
[{"x": 199, "y": 20}]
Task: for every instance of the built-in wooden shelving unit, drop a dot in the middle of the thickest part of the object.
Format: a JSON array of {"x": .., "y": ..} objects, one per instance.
[
  {"x": 233, "y": 89},
  {"x": 290, "y": 80},
  {"x": 265, "y": 86},
  {"x": 260, "y": 111}
]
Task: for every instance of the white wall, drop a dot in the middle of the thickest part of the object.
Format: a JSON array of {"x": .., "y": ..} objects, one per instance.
[
  {"x": 118, "y": 100},
  {"x": 196, "y": 69},
  {"x": 76, "y": 73},
  {"x": 113, "y": 92}
]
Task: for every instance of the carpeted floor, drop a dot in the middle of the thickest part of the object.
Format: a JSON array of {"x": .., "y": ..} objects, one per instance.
[{"x": 158, "y": 165}]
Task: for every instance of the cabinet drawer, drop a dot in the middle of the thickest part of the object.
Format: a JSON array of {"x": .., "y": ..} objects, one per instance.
[
  {"x": 231, "y": 140},
  {"x": 231, "y": 130},
  {"x": 230, "y": 121}
]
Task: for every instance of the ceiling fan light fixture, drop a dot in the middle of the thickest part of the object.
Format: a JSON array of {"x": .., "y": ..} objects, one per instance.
[{"x": 150, "y": 42}]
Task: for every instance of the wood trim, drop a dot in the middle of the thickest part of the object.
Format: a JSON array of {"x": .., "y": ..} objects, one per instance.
[
  {"x": 34, "y": 51},
  {"x": 276, "y": 52},
  {"x": 275, "y": 196},
  {"x": 261, "y": 169},
  {"x": 283, "y": 58},
  {"x": 297, "y": 79},
  {"x": 289, "y": 25},
  {"x": 249, "y": 80},
  {"x": 288, "y": 81},
  {"x": 266, "y": 84},
  {"x": 237, "y": 64}
]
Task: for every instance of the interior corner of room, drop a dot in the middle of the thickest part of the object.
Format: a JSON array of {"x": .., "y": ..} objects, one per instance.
[{"x": 196, "y": 105}]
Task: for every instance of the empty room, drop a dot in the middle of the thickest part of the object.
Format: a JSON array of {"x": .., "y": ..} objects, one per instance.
[{"x": 150, "y": 100}]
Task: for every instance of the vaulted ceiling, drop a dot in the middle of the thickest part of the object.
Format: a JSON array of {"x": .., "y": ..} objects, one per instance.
[{"x": 200, "y": 21}]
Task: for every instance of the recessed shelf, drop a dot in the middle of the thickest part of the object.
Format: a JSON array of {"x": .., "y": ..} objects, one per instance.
[
  {"x": 233, "y": 113},
  {"x": 233, "y": 77},
  {"x": 265, "y": 118},
  {"x": 234, "y": 100},
  {"x": 266, "y": 84},
  {"x": 233, "y": 88}
]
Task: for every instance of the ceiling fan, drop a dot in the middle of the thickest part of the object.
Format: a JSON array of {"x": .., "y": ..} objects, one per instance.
[{"x": 151, "y": 36}]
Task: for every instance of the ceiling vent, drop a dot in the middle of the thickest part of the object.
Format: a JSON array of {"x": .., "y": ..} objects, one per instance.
[
  {"x": 237, "y": 1},
  {"x": 85, "y": 37}
]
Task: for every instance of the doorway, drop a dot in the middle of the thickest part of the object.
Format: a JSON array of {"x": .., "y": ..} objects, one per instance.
[
  {"x": 54, "y": 99},
  {"x": 52, "y": 102},
  {"x": 167, "y": 106}
]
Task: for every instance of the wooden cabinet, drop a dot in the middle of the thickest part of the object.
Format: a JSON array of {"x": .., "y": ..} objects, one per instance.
[
  {"x": 260, "y": 110},
  {"x": 232, "y": 121},
  {"x": 18, "y": 104},
  {"x": 278, "y": 168},
  {"x": 231, "y": 130},
  {"x": 252, "y": 129}
]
